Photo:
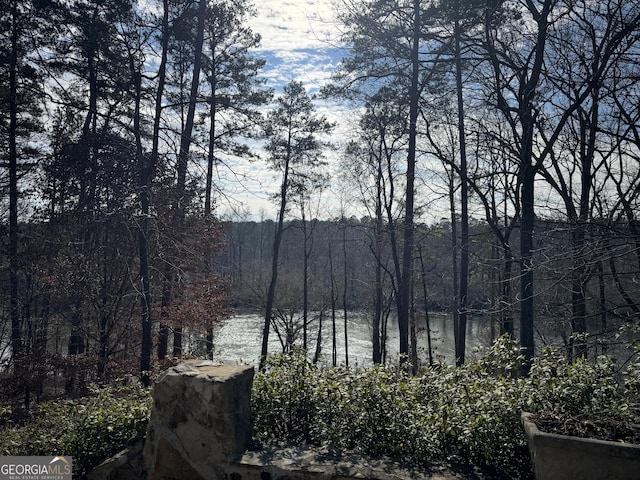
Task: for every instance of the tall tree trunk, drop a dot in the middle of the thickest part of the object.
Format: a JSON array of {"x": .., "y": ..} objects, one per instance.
[
  {"x": 334, "y": 297},
  {"x": 522, "y": 120},
  {"x": 147, "y": 173},
  {"x": 506, "y": 318},
  {"x": 578, "y": 297},
  {"x": 345, "y": 280},
  {"x": 271, "y": 294},
  {"x": 143, "y": 246},
  {"x": 14, "y": 308},
  {"x": 316, "y": 356},
  {"x": 464, "y": 213},
  {"x": 526, "y": 253},
  {"x": 426, "y": 305},
  {"x": 413, "y": 335},
  {"x": 588, "y": 128},
  {"x": 87, "y": 140},
  {"x": 185, "y": 143},
  {"x": 211, "y": 160},
  {"x": 455, "y": 278},
  {"x": 186, "y": 134},
  {"x": 305, "y": 277},
  {"x": 378, "y": 301},
  {"x": 407, "y": 250},
  {"x": 527, "y": 180}
]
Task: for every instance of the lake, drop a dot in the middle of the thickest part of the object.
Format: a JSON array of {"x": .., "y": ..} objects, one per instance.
[{"x": 239, "y": 338}]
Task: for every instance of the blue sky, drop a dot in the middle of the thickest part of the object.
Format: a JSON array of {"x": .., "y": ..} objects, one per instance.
[
  {"x": 299, "y": 39},
  {"x": 299, "y": 42}
]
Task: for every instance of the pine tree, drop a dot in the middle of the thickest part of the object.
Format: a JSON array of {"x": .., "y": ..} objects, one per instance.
[{"x": 295, "y": 150}]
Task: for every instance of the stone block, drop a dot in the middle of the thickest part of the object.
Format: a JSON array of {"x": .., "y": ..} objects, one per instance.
[{"x": 201, "y": 417}]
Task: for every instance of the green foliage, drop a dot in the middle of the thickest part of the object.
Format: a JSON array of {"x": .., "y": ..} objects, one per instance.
[
  {"x": 578, "y": 387},
  {"x": 465, "y": 414},
  {"x": 89, "y": 429}
]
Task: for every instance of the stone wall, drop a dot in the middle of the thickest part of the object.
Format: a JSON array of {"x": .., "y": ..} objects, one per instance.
[
  {"x": 200, "y": 429},
  {"x": 201, "y": 417}
]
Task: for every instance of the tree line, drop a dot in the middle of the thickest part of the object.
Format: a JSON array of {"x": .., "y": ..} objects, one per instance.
[
  {"x": 339, "y": 274},
  {"x": 521, "y": 117}
]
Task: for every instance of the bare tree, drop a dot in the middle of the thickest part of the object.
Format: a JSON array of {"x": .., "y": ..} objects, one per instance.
[
  {"x": 523, "y": 90},
  {"x": 295, "y": 150}
]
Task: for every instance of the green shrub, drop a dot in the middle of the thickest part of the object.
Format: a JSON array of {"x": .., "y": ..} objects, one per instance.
[
  {"x": 559, "y": 386},
  {"x": 464, "y": 414},
  {"x": 89, "y": 429}
]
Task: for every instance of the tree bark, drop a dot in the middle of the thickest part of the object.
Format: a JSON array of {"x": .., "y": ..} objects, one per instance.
[
  {"x": 426, "y": 306},
  {"x": 379, "y": 241},
  {"x": 305, "y": 276},
  {"x": 180, "y": 204},
  {"x": 211, "y": 160},
  {"x": 147, "y": 173},
  {"x": 345, "y": 290},
  {"x": 464, "y": 212},
  {"x": 14, "y": 309},
  {"x": 404, "y": 292},
  {"x": 271, "y": 294}
]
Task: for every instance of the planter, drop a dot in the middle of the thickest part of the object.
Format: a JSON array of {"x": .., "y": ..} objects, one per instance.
[{"x": 560, "y": 457}]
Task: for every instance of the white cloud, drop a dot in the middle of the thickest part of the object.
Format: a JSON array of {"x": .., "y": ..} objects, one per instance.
[
  {"x": 299, "y": 41},
  {"x": 290, "y": 24}
]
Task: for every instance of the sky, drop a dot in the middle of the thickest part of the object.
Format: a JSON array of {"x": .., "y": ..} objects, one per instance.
[
  {"x": 299, "y": 39},
  {"x": 299, "y": 42}
]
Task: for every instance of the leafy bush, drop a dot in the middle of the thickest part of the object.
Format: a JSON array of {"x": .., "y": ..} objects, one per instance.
[
  {"x": 577, "y": 387},
  {"x": 465, "y": 414},
  {"x": 89, "y": 429}
]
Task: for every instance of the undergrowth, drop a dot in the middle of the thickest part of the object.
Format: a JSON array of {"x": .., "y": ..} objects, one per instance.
[
  {"x": 89, "y": 429},
  {"x": 468, "y": 414}
]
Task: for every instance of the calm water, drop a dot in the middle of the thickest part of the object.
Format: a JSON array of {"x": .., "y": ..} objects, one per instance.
[{"x": 239, "y": 338}]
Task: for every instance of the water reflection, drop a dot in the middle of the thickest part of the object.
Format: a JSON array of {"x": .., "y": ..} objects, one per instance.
[{"x": 239, "y": 338}]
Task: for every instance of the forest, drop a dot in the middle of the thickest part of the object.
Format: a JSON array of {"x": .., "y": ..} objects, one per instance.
[
  {"x": 520, "y": 117},
  {"x": 329, "y": 275}
]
